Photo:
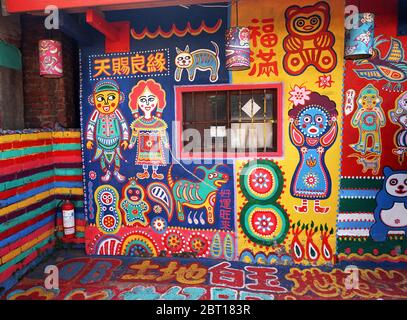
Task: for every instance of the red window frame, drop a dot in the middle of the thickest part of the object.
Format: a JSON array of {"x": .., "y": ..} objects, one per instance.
[{"x": 179, "y": 90}]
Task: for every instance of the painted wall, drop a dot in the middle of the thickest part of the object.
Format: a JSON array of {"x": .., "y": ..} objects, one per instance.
[
  {"x": 373, "y": 196},
  {"x": 299, "y": 205},
  {"x": 37, "y": 170}
]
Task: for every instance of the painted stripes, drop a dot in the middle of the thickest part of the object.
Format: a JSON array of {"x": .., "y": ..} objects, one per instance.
[
  {"x": 356, "y": 205},
  {"x": 37, "y": 171}
]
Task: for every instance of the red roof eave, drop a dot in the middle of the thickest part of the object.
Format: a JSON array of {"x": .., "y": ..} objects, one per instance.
[{"x": 21, "y": 6}]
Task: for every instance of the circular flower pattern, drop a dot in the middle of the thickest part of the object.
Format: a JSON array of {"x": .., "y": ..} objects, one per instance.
[
  {"x": 261, "y": 180},
  {"x": 199, "y": 244},
  {"x": 174, "y": 241},
  {"x": 92, "y": 175},
  {"x": 311, "y": 180},
  {"x": 159, "y": 224},
  {"x": 264, "y": 224},
  {"x": 157, "y": 209}
]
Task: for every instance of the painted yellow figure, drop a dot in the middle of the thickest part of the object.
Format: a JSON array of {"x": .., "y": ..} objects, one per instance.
[
  {"x": 108, "y": 127},
  {"x": 369, "y": 119}
]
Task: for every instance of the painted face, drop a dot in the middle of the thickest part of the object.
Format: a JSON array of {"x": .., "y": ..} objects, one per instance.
[
  {"x": 313, "y": 121},
  {"x": 147, "y": 101},
  {"x": 307, "y": 24},
  {"x": 106, "y": 101},
  {"x": 369, "y": 100},
  {"x": 134, "y": 193},
  {"x": 183, "y": 60},
  {"x": 396, "y": 185}
]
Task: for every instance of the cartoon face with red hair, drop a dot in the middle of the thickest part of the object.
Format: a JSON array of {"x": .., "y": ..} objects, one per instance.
[
  {"x": 147, "y": 96},
  {"x": 148, "y": 130}
]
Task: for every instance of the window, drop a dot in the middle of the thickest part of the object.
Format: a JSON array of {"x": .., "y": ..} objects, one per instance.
[{"x": 229, "y": 121}]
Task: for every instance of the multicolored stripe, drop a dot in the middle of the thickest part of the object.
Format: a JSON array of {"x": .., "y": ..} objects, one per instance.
[{"x": 37, "y": 171}]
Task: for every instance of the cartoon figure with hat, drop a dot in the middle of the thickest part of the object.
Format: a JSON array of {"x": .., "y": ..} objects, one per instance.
[
  {"x": 148, "y": 130},
  {"x": 107, "y": 129}
]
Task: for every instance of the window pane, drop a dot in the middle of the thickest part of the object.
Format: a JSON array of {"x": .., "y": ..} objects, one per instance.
[{"x": 253, "y": 105}]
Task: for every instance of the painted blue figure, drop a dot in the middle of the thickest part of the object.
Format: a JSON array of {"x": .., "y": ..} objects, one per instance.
[
  {"x": 313, "y": 130},
  {"x": 391, "y": 210}
]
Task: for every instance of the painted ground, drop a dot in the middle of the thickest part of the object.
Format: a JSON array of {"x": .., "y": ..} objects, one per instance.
[{"x": 84, "y": 277}]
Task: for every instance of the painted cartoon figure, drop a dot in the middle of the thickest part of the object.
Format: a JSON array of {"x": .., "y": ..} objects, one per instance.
[
  {"x": 148, "y": 130},
  {"x": 107, "y": 129},
  {"x": 134, "y": 204},
  {"x": 391, "y": 210},
  {"x": 369, "y": 119},
  {"x": 309, "y": 42},
  {"x": 201, "y": 59},
  {"x": 197, "y": 195},
  {"x": 399, "y": 116},
  {"x": 313, "y": 130}
]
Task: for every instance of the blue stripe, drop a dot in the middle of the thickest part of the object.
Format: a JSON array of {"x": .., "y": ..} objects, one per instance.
[
  {"x": 356, "y": 224},
  {"x": 69, "y": 184},
  {"x": 26, "y": 231},
  {"x": 358, "y": 193},
  {"x": 13, "y": 280},
  {"x": 25, "y": 195}
]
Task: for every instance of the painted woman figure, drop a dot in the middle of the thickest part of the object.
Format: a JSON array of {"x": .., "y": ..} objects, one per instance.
[
  {"x": 313, "y": 130},
  {"x": 148, "y": 130}
]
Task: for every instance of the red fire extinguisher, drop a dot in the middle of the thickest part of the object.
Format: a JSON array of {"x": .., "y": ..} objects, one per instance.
[{"x": 68, "y": 219}]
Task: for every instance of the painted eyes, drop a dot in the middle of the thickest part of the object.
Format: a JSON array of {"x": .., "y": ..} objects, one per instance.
[
  {"x": 111, "y": 97},
  {"x": 151, "y": 99},
  {"x": 300, "y": 23},
  {"x": 314, "y": 21},
  {"x": 319, "y": 119},
  {"x": 307, "y": 119},
  {"x": 212, "y": 175},
  {"x": 393, "y": 181},
  {"x": 99, "y": 99}
]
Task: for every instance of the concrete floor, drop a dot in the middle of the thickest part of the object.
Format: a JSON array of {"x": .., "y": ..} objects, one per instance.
[{"x": 79, "y": 277}]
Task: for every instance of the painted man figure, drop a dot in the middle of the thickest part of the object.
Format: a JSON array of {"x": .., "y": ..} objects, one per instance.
[
  {"x": 107, "y": 129},
  {"x": 148, "y": 130}
]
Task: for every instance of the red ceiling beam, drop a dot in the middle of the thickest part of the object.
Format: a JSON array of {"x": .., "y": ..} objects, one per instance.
[
  {"x": 19, "y": 6},
  {"x": 117, "y": 34}
]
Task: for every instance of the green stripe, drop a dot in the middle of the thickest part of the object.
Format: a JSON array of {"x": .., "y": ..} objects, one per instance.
[
  {"x": 357, "y": 205},
  {"x": 351, "y": 183},
  {"x": 14, "y": 153},
  {"x": 27, "y": 216},
  {"x": 22, "y": 181},
  {"x": 26, "y": 253},
  {"x": 68, "y": 172},
  {"x": 66, "y": 146}
]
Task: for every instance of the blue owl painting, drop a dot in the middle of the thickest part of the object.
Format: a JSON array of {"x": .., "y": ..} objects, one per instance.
[
  {"x": 391, "y": 210},
  {"x": 313, "y": 130}
]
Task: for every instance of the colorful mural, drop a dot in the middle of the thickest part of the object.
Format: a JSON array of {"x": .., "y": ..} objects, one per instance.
[
  {"x": 305, "y": 39},
  {"x": 162, "y": 206},
  {"x": 372, "y": 200},
  {"x": 141, "y": 199}
]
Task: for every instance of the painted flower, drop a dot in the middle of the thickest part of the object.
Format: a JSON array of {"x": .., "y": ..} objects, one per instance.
[
  {"x": 92, "y": 175},
  {"x": 325, "y": 81},
  {"x": 299, "y": 95},
  {"x": 159, "y": 224},
  {"x": 157, "y": 209},
  {"x": 310, "y": 180},
  {"x": 260, "y": 180},
  {"x": 264, "y": 224}
]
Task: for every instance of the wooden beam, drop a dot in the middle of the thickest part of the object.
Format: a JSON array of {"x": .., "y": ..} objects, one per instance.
[
  {"x": 97, "y": 21},
  {"x": 20, "y": 6}
]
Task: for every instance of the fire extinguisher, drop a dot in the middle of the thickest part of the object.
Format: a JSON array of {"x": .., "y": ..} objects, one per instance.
[{"x": 68, "y": 219}]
